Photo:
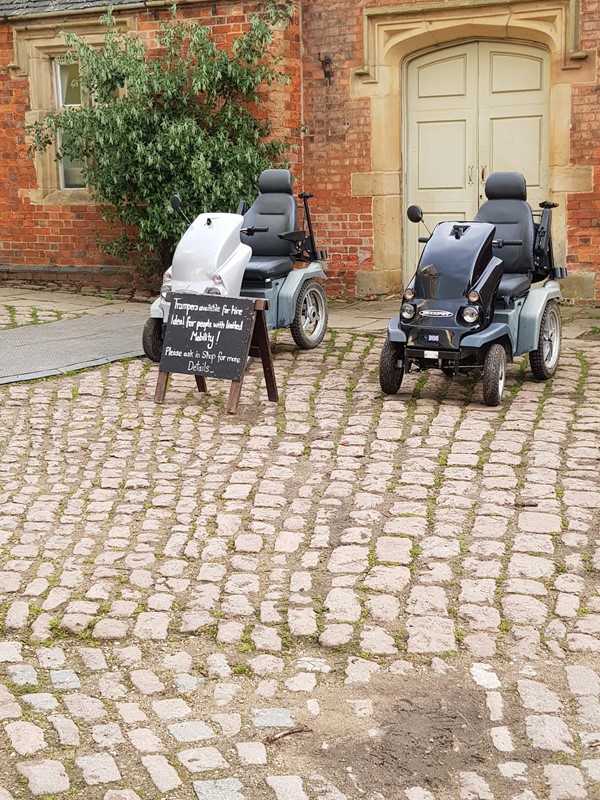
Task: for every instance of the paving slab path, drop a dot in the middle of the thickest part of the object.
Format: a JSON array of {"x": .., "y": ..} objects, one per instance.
[{"x": 339, "y": 596}]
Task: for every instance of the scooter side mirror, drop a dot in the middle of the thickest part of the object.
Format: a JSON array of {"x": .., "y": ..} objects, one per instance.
[
  {"x": 176, "y": 202},
  {"x": 414, "y": 213}
]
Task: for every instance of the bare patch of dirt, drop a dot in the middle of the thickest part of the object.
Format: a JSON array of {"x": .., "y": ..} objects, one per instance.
[{"x": 428, "y": 729}]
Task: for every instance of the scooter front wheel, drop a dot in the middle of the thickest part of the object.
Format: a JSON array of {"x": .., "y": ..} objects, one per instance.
[
  {"x": 311, "y": 315},
  {"x": 152, "y": 338},
  {"x": 494, "y": 374},
  {"x": 390, "y": 374}
]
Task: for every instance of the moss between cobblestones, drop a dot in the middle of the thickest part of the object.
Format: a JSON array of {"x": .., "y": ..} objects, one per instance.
[{"x": 584, "y": 372}]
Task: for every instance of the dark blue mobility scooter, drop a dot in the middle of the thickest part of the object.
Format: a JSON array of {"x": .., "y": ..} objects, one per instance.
[{"x": 484, "y": 292}]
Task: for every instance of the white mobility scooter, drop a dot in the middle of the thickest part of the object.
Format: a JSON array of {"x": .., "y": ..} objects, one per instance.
[
  {"x": 250, "y": 254},
  {"x": 484, "y": 291}
]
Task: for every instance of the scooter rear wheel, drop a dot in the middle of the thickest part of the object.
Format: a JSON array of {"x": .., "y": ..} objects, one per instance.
[
  {"x": 544, "y": 359},
  {"x": 310, "y": 318},
  {"x": 390, "y": 374},
  {"x": 152, "y": 338},
  {"x": 494, "y": 374}
]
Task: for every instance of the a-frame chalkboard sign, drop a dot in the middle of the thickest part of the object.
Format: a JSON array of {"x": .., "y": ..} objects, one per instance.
[{"x": 212, "y": 336}]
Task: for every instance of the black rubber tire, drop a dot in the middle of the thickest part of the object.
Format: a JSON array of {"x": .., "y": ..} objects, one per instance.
[
  {"x": 390, "y": 375},
  {"x": 448, "y": 371},
  {"x": 152, "y": 338},
  {"x": 544, "y": 359},
  {"x": 313, "y": 294},
  {"x": 494, "y": 374}
]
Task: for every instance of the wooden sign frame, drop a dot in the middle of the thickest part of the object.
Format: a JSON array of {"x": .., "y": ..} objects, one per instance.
[{"x": 258, "y": 347}]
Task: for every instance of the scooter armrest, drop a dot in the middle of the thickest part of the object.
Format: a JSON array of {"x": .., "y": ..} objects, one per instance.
[{"x": 292, "y": 236}]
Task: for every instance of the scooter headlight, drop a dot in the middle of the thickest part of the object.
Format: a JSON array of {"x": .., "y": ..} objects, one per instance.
[
  {"x": 167, "y": 275},
  {"x": 407, "y": 311},
  {"x": 470, "y": 314},
  {"x": 166, "y": 292},
  {"x": 473, "y": 297},
  {"x": 213, "y": 290},
  {"x": 408, "y": 295}
]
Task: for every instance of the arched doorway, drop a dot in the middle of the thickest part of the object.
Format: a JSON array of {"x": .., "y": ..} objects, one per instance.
[{"x": 471, "y": 109}]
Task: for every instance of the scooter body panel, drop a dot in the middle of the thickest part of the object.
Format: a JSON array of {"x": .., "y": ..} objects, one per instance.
[
  {"x": 156, "y": 309},
  {"x": 289, "y": 291},
  {"x": 457, "y": 259},
  {"x": 394, "y": 332},
  {"x": 453, "y": 260},
  {"x": 531, "y": 315},
  {"x": 210, "y": 245},
  {"x": 266, "y": 291},
  {"x": 495, "y": 332}
]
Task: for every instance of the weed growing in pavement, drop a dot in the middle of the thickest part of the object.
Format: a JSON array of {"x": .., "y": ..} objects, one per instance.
[
  {"x": 541, "y": 403},
  {"x": 588, "y": 566},
  {"x": 246, "y": 644},
  {"x": 584, "y": 372},
  {"x": 12, "y": 316},
  {"x": 56, "y": 632},
  {"x": 343, "y": 352}
]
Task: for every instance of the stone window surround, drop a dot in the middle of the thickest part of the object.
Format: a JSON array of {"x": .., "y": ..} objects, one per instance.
[
  {"x": 392, "y": 36},
  {"x": 35, "y": 47}
]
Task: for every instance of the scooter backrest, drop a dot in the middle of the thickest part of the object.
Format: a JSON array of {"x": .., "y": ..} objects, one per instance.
[
  {"x": 276, "y": 209},
  {"x": 508, "y": 210}
]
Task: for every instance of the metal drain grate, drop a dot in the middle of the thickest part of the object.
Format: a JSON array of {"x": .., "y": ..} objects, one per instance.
[{"x": 37, "y": 351}]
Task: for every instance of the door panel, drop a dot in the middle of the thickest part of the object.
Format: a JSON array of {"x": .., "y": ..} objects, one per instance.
[
  {"x": 472, "y": 109},
  {"x": 436, "y": 170},
  {"x": 515, "y": 144},
  {"x": 442, "y": 134}
]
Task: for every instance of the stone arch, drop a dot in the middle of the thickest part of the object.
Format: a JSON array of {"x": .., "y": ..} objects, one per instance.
[{"x": 392, "y": 36}]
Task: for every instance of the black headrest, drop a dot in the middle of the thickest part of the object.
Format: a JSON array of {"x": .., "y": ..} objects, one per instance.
[
  {"x": 275, "y": 181},
  {"x": 506, "y": 186}
]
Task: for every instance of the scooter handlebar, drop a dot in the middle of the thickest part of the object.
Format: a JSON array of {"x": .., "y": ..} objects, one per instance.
[
  {"x": 507, "y": 242},
  {"x": 251, "y": 231}
]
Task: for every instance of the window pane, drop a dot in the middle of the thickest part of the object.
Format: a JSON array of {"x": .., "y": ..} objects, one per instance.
[
  {"x": 70, "y": 90},
  {"x": 72, "y": 171},
  {"x": 69, "y": 95}
]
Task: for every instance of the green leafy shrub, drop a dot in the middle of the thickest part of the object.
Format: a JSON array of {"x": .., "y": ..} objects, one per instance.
[{"x": 181, "y": 116}]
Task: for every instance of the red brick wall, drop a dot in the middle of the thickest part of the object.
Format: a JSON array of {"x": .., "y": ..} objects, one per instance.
[
  {"x": 62, "y": 237},
  {"x": 337, "y": 139},
  {"x": 583, "y": 210}
]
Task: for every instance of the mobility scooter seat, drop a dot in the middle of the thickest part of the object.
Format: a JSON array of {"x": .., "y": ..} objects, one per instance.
[
  {"x": 262, "y": 267},
  {"x": 512, "y": 286},
  {"x": 507, "y": 209},
  {"x": 275, "y": 208}
]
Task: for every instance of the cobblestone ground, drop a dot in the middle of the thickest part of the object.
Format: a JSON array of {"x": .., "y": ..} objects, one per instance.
[{"x": 339, "y": 596}]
